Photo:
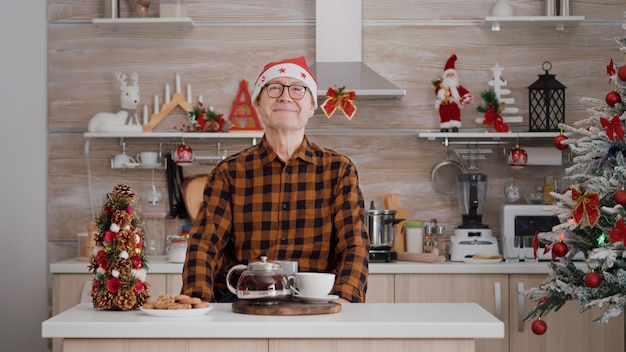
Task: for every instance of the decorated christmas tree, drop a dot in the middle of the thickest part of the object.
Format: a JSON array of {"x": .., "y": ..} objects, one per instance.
[
  {"x": 118, "y": 262},
  {"x": 591, "y": 211}
]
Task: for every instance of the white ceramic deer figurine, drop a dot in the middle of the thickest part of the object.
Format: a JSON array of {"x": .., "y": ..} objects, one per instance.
[{"x": 126, "y": 119}]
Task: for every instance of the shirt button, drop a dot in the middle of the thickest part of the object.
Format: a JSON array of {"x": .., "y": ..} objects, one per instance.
[
  {"x": 284, "y": 205},
  {"x": 283, "y": 239}
]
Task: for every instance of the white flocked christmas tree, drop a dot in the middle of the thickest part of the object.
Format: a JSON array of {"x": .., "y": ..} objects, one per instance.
[{"x": 591, "y": 211}]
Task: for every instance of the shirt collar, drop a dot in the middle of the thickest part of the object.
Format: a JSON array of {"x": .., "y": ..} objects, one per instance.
[{"x": 268, "y": 154}]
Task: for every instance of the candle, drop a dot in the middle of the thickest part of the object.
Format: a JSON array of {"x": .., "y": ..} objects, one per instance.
[
  {"x": 156, "y": 104},
  {"x": 145, "y": 114},
  {"x": 189, "y": 93},
  {"x": 167, "y": 93},
  {"x": 200, "y": 99},
  {"x": 177, "y": 83}
]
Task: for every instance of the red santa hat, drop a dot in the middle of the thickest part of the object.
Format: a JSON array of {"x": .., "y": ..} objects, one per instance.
[
  {"x": 450, "y": 63},
  {"x": 293, "y": 68}
]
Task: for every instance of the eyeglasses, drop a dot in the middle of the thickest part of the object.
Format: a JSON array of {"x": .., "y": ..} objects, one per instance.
[{"x": 275, "y": 90}]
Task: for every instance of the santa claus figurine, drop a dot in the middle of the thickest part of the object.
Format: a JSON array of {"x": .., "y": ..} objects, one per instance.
[{"x": 450, "y": 97}]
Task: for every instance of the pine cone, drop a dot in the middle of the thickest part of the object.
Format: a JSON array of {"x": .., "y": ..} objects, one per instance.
[
  {"x": 103, "y": 300},
  {"x": 125, "y": 300},
  {"x": 124, "y": 190},
  {"x": 124, "y": 266}
]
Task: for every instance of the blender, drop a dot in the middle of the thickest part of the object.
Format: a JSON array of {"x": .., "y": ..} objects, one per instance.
[{"x": 472, "y": 236}]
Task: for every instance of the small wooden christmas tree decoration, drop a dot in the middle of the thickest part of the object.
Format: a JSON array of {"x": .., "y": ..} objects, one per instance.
[
  {"x": 496, "y": 84},
  {"x": 242, "y": 114},
  {"x": 118, "y": 262}
]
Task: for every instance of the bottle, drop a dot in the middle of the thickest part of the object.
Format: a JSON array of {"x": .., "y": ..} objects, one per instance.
[
  {"x": 414, "y": 236},
  {"x": 440, "y": 235},
  {"x": 548, "y": 186},
  {"x": 429, "y": 238}
]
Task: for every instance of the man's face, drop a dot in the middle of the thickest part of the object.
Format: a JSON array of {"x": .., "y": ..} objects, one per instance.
[{"x": 284, "y": 112}]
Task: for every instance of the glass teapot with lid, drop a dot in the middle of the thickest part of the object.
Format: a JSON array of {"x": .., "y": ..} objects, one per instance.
[{"x": 261, "y": 282}]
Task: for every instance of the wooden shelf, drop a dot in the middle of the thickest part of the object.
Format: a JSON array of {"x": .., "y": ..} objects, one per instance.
[
  {"x": 558, "y": 22},
  {"x": 115, "y": 24}
]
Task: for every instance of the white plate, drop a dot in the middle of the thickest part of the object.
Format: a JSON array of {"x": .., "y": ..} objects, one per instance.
[
  {"x": 312, "y": 299},
  {"x": 176, "y": 312},
  {"x": 481, "y": 261}
]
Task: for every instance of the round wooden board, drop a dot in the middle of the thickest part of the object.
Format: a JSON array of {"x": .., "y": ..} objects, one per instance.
[{"x": 286, "y": 308}]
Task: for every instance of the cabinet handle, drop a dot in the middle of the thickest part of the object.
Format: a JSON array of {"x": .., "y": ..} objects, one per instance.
[
  {"x": 498, "y": 299},
  {"x": 520, "y": 307}
]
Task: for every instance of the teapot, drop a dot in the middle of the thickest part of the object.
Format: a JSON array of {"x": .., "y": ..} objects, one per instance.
[{"x": 261, "y": 282}]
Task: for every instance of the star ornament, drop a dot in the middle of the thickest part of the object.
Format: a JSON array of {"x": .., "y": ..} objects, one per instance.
[
  {"x": 619, "y": 233},
  {"x": 613, "y": 127}
]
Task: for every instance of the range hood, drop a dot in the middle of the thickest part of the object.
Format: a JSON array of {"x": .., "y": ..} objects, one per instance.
[{"x": 338, "y": 57}]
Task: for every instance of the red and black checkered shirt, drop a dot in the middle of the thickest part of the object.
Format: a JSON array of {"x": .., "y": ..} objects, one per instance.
[{"x": 309, "y": 209}]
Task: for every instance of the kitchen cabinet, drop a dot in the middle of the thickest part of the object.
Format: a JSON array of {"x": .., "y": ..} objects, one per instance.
[
  {"x": 488, "y": 290},
  {"x": 380, "y": 288},
  {"x": 568, "y": 329}
]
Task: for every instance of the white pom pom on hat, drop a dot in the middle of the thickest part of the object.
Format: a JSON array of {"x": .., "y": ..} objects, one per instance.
[{"x": 294, "y": 68}]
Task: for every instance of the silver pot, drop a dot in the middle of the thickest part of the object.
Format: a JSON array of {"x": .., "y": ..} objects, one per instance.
[{"x": 381, "y": 226}]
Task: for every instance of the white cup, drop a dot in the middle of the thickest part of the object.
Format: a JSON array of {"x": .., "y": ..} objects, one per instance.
[
  {"x": 177, "y": 251},
  {"x": 148, "y": 158},
  {"x": 121, "y": 160},
  {"x": 314, "y": 284}
]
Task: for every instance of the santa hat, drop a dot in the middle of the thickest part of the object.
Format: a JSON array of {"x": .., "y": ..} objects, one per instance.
[
  {"x": 294, "y": 68},
  {"x": 450, "y": 63}
]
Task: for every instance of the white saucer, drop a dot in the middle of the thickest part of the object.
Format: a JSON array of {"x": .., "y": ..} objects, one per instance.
[{"x": 314, "y": 299}]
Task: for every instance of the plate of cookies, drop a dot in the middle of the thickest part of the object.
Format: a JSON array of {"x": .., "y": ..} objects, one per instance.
[{"x": 176, "y": 306}]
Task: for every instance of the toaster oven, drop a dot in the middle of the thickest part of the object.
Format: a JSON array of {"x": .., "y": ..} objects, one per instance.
[{"x": 526, "y": 220}]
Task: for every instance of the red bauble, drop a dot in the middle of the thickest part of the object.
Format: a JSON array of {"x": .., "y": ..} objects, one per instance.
[
  {"x": 559, "y": 249},
  {"x": 592, "y": 279},
  {"x": 557, "y": 142},
  {"x": 621, "y": 73},
  {"x": 620, "y": 197},
  {"x": 613, "y": 98},
  {"x": 539, "y": 327},
  {"x": 517, "y": 158},
  {"x": 183, "y": 155}
]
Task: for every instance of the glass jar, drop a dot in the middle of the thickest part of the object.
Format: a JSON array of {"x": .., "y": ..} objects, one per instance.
[{"x": 429, "y": 239}]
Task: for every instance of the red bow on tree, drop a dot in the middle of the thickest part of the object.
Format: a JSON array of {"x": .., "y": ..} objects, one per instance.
[
  {"x": 610, "y": 70},
  {"x": 493, "y": 117},
  {"x": 619, "y": 233},
  {"x": 587, "y": 204},
  {"x": 339, "y": 98},
  {"x": 613, "y": 127}
]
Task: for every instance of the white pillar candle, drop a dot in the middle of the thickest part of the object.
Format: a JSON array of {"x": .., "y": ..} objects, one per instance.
[
  {"x": 189, "y": 93},
  {"x": 167, "y": 93},
  {"x": 177, "y": 83},
  {"x": 200, "y": 99},
  {"x": 145, "y": 114},
  {"x": 156, "y": 104}
]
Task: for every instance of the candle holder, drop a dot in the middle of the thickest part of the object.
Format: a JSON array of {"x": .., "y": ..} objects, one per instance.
[{"x": 546, "y": 102}]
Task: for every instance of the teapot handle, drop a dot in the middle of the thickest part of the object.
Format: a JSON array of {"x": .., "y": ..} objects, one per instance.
[{"x": 236, "y": 267}]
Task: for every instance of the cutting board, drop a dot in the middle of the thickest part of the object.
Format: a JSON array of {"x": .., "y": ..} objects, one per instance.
[{"x": 286, "y": 308}]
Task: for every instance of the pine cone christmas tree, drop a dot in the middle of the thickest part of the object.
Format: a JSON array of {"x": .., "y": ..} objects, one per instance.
[{"x": 119, "y": 261}]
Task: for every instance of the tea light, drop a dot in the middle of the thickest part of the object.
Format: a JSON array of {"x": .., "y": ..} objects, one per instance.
[
  {"x": 167, "y": 93},
  {"x": 145, "y": 114}
]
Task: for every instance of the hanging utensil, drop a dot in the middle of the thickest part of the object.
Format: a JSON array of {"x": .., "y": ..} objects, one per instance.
[{"x": 444, "y": 174}]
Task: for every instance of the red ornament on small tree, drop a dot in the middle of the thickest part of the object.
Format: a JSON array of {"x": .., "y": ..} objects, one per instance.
[
  {"x": 621, "y": 73},
  {"x": 539, "y": 327},
  {"x": 620, "y": 197},
  {"x": 557, "y": 142},
  {"x": 613, "y": 98},
  {"x": 592, "y": 279},
  {"x": 559, "y": 249}
]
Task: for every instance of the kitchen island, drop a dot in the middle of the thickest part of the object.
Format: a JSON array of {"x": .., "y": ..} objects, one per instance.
[{"x": 358, "y": 327}]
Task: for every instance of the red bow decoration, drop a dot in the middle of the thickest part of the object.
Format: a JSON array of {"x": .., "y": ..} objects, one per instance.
[
  {"x": 587, "y": 204},
  {"x": 613, "y": 127},
  {"x": 619, "y": 233},
  {"x": 610, "y": 70},
  {"x": 495, "y": 118},
  {"x": 339, "y": 98}
]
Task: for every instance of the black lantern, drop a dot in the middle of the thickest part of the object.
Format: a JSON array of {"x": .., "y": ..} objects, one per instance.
[{"x": 546, "y": 102}]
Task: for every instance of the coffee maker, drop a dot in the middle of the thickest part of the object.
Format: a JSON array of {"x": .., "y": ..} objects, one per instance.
[{"x": 472, "y": 236}]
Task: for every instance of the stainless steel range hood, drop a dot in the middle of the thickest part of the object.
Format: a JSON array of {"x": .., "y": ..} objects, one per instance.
[{"x": 338, "y": 59}]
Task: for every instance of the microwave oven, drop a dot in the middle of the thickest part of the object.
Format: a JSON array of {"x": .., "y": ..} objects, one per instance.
[{"x": 526, "y": 220}]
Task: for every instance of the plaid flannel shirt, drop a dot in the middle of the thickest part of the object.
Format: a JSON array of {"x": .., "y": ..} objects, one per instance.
[{"x": 309, "y": 209}]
